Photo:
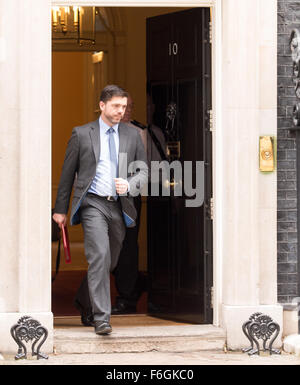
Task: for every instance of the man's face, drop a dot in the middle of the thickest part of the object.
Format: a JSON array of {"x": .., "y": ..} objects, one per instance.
[{"x": 113, "y": 110}]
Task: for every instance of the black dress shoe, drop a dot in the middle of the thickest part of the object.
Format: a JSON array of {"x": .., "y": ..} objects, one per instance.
[
  {"x": 122, "y": 308},
  {"x": 87, "y": 317},
  {"x": 102, "y": 327},
  {"x": 87, "y": 320}
]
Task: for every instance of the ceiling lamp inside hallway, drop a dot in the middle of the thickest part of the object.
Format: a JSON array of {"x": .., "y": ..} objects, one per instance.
[{"x": 75, "y": 24}]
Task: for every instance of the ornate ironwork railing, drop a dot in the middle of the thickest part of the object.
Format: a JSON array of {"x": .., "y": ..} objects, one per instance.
[
  {"x": 261, "y": 327},
  {"x": 29, "y": 329}
]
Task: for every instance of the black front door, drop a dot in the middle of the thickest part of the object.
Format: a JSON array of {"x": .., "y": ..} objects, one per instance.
[{"x": 180, "y": 237}]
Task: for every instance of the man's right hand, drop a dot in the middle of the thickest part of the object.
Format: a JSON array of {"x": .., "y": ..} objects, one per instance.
[{"x": 60, "y": 219}]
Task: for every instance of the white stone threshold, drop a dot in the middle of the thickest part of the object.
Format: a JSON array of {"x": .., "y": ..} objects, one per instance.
[{"x": 136, "y": 334}]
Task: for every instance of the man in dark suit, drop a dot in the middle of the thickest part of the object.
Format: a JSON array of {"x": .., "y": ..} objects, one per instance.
[{"x": 97, "y": 159}]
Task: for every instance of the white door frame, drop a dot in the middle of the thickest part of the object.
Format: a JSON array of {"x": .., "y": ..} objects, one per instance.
[{"x": 216, "y": 12}]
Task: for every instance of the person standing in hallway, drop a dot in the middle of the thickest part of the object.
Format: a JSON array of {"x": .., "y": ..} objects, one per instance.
[
  {"x": 102, "y": 200},
  {"x": 128, "y": 281}
]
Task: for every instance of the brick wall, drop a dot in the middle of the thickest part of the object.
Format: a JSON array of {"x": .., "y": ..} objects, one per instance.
[{"x": 288, "y": 19}]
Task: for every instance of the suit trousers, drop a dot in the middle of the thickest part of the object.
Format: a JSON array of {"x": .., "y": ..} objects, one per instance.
[
  {"x": 127, "y": 270},
  {"x": 104, "y": 232}
]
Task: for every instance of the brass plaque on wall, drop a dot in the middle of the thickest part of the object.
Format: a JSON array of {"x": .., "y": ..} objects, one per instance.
[{"x": 266, "y": 154}]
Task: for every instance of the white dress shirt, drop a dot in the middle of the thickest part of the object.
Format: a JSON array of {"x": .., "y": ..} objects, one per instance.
[{"x": 103, "y": 183}]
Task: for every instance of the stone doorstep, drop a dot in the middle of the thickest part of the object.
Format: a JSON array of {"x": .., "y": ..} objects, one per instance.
[{"x": 127, "y": 339}]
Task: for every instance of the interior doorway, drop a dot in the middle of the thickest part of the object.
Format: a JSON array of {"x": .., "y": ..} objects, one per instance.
[{"x": 77, "y": 80}]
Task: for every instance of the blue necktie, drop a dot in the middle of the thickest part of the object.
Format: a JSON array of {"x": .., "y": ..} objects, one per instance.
[{"x": 113, "y": 157}]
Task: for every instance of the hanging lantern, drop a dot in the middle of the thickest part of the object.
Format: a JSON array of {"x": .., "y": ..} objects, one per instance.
[{"x": 73, "y": 24}]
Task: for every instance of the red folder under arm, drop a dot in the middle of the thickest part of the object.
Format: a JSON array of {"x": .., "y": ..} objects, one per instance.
[{"x": 65, "y": 237}]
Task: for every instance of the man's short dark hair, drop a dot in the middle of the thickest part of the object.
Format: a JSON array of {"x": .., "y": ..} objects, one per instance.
[{"x": 111, "y": 91}]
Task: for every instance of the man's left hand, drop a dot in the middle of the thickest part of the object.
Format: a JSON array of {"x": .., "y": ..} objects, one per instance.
[{"x": 121, "y": 186}]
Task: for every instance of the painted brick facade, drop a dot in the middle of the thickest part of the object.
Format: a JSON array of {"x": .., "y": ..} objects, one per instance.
[{"x": 288, "y": 19}]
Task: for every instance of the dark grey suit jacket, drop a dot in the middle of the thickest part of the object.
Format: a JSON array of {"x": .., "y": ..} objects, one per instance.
[{"x": 82, "y": 155}]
